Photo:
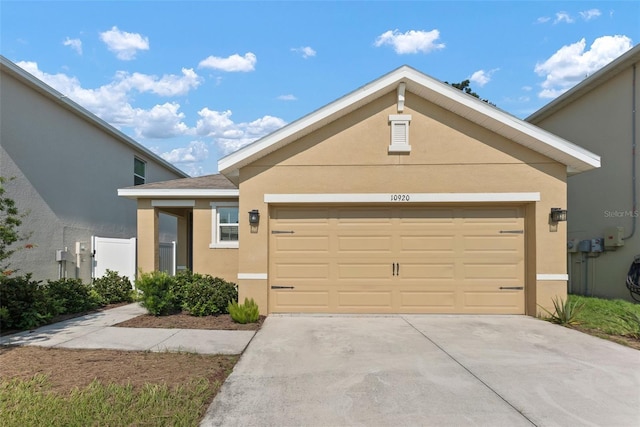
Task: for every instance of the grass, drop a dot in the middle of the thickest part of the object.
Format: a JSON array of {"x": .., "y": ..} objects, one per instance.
[
  {"x": 31, "y": 402},
  {"x": 606, "y": 315}
]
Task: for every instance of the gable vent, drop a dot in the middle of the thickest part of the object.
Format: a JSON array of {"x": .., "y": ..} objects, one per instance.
[{"x": 399, "y": 133}]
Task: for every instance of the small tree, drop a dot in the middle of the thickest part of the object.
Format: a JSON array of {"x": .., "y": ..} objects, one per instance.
[{"x": 10, "y": 221}]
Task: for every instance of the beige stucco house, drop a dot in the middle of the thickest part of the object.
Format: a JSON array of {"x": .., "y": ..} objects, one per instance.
[
  {"x": 404, "y": 196},
  {"x": 603, "y": 236},
  {"x": 67, "y": 165}
]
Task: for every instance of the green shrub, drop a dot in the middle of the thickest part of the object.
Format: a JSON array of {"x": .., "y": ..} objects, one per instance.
[
  {"x": 206, "y": 295},
  {"x": 158, "y": 293},
  {"x": 565, "y": 312},
  {"x": 23, "y": 303},
  {"x": 70, "y": 296},
  {"x": 183, "y": 279},
  {"x": 244, "y": 313},
  {"x": 113, "y": 288}
]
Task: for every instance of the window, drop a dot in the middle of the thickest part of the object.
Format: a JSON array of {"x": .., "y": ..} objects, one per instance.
[
  {"x": 139, "y": 171},
  {"x": 224, "y": 225},
  {"x": 399, "y": 133}
]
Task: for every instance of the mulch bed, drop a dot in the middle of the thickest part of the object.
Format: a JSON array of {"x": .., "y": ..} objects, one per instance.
[{"x": 184, "y": 320}]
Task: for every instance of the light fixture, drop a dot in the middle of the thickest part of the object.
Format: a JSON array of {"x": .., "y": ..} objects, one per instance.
[
  {"x": 254, "y": 217},
  {"x": 558, "y": 215}
]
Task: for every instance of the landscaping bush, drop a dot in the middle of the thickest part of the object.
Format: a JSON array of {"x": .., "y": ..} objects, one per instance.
[
  {"x": 158, "y": 293},
  {"x": 23, "y": 303},
  {"x": 70, "y": 296},
  {"x": 565, "y": 312},
  {"x": 183, "y": 279},
  {"x": 208, "y": 295},
  {"x": 113, "y": 288},
  {"x": 244, "y": 313}
]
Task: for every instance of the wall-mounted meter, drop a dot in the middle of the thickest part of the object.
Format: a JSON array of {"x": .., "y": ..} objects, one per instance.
[
  {"x": 597, "y": 244},
  {"x": 572, "y": 245}
]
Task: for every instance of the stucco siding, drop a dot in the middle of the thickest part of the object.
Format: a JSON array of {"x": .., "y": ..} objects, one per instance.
[
  {"x": 449, "y": 155},
  {"x": 67, "y": 174},
  {"x": 601, "y": 121}
]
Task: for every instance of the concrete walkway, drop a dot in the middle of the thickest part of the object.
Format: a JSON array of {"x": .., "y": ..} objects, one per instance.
[
  {"x": 96, "y": 331},
  {"x": 428, "y": 370}
]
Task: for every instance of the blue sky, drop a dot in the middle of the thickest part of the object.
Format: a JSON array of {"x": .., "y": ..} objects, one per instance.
[{"x": 195, "y": 80}]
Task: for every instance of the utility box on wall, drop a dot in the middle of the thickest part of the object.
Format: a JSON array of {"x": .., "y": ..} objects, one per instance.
[{"x": 613, "y": 237}]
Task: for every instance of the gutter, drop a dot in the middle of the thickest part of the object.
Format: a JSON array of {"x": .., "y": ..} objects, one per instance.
[{"x": 634, "y": 197}]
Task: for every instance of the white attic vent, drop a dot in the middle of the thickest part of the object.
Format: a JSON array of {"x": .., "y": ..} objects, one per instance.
[{"x": 399, "y": 133}]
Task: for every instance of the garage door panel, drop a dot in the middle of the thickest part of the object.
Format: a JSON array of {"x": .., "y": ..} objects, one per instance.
[
  {"x": 302, "y": 271},
  {"x": 363, "y": 271},
  {"x": 427, "y": 244},
  {"x": 491, "y": 244},
  {"x": 501, "y": 302},
  {"x": 437, "y": 217},
  {"x": 365, "y": 299},
  {"x": 364, "y": 244},
  {"x": 301, "y": 301},
  {"x": 433, "y": 301},
  {"x": 427, "y": 272},
  {"x": 492, "y": 270},
  {"x": 299, "y": 215},
  {"x": 302, "y": 243}
]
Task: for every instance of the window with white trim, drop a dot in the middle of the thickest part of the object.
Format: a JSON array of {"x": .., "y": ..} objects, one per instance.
[
  {"x": 139, "y": 171},
  {"x": 399, "y": 133},
  {"x": 224, "y": 225}
]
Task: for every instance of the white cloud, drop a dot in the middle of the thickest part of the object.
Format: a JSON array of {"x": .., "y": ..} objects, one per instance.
[
  {"x": 527, "y": 88},
  {"x": 230, "y": 136},
  {"x": 288, "y": 97},
  {"x": 482, "y": 77},
  {"x": 75, "y": 44},
  {"x": 306, "y": 52},
  {"x": 111, "y": 102},
  {"x": 195, "y": 152},
  {"x": 563, "y": 17},
  {"x": 410, "y": 42},
  {"x": 543, "y": 20},
  {"x": 167, "y": 85},
  {"x": 161, "y": 121},
  {"x": 234, "y": 62},
  {"x": 124, "y": 45},
  {"x": 571, "y": 63},
  {"x": 590, "y": 14}
]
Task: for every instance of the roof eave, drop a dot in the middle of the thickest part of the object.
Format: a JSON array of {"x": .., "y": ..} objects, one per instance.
[{"x": 133, "y": 193}]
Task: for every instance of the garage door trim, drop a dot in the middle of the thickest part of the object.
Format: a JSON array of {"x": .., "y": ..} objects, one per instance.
[{"x": 402, "y": 197}]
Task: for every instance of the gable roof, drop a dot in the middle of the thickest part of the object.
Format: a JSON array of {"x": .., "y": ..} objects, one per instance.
[
  {"x": 576, "y": 158},
  {"x": 202, "y": 186},
  {"x": 63, "y": 101},
  {"x": 601, "y": 76}
]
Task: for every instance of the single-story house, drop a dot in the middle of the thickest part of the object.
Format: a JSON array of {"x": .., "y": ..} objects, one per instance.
[
  {"x": 404, "y": 196},
  {"x": 603, "y": 230}
]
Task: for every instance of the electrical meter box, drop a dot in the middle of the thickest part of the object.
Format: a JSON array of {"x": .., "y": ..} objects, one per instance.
[
  {"x": 62, "y": 255},
  {"x": 572, "y": 245},
  {"x": 584, "y": 246},
  {"x": 597, "y": 244},
  {"x": 613, "y": 237}
]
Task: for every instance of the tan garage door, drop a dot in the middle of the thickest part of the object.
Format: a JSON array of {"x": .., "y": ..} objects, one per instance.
[{"x": 396, "y": 260}]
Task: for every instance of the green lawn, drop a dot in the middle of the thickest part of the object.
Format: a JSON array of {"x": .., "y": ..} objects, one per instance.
[{"x": 614, "y": 317}]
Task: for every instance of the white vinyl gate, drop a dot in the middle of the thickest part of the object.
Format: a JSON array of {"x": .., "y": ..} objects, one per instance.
[
  {"x": 168, "y": 257},
  {"x": 115, "y": 255}
]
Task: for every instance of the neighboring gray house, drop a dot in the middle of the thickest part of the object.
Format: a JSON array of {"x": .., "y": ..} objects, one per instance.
[
  {"x": 600, "y": 114},
  {"x": 67, "y": 164}
]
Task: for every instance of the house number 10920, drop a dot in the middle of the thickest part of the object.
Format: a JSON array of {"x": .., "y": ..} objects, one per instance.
[{"x": 400, "y": 197}]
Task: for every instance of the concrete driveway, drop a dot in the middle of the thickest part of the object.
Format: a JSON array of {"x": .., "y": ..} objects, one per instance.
[{"x": 432, "y": 370}]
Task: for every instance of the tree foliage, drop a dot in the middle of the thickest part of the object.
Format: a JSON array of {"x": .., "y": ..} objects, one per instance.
[
  {"x": 10, "y": 221},
  {"x": 465, "y": 86}
]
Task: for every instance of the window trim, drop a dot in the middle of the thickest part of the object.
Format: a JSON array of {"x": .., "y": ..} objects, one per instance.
[
  {"x": 215, "y": 225},
  {"x": 136, "y": 175}
]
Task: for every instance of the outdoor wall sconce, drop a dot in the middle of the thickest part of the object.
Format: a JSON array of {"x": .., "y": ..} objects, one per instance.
[
  {"x": 558, "y": 215},
  {"x": 254, "y": 217}
]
